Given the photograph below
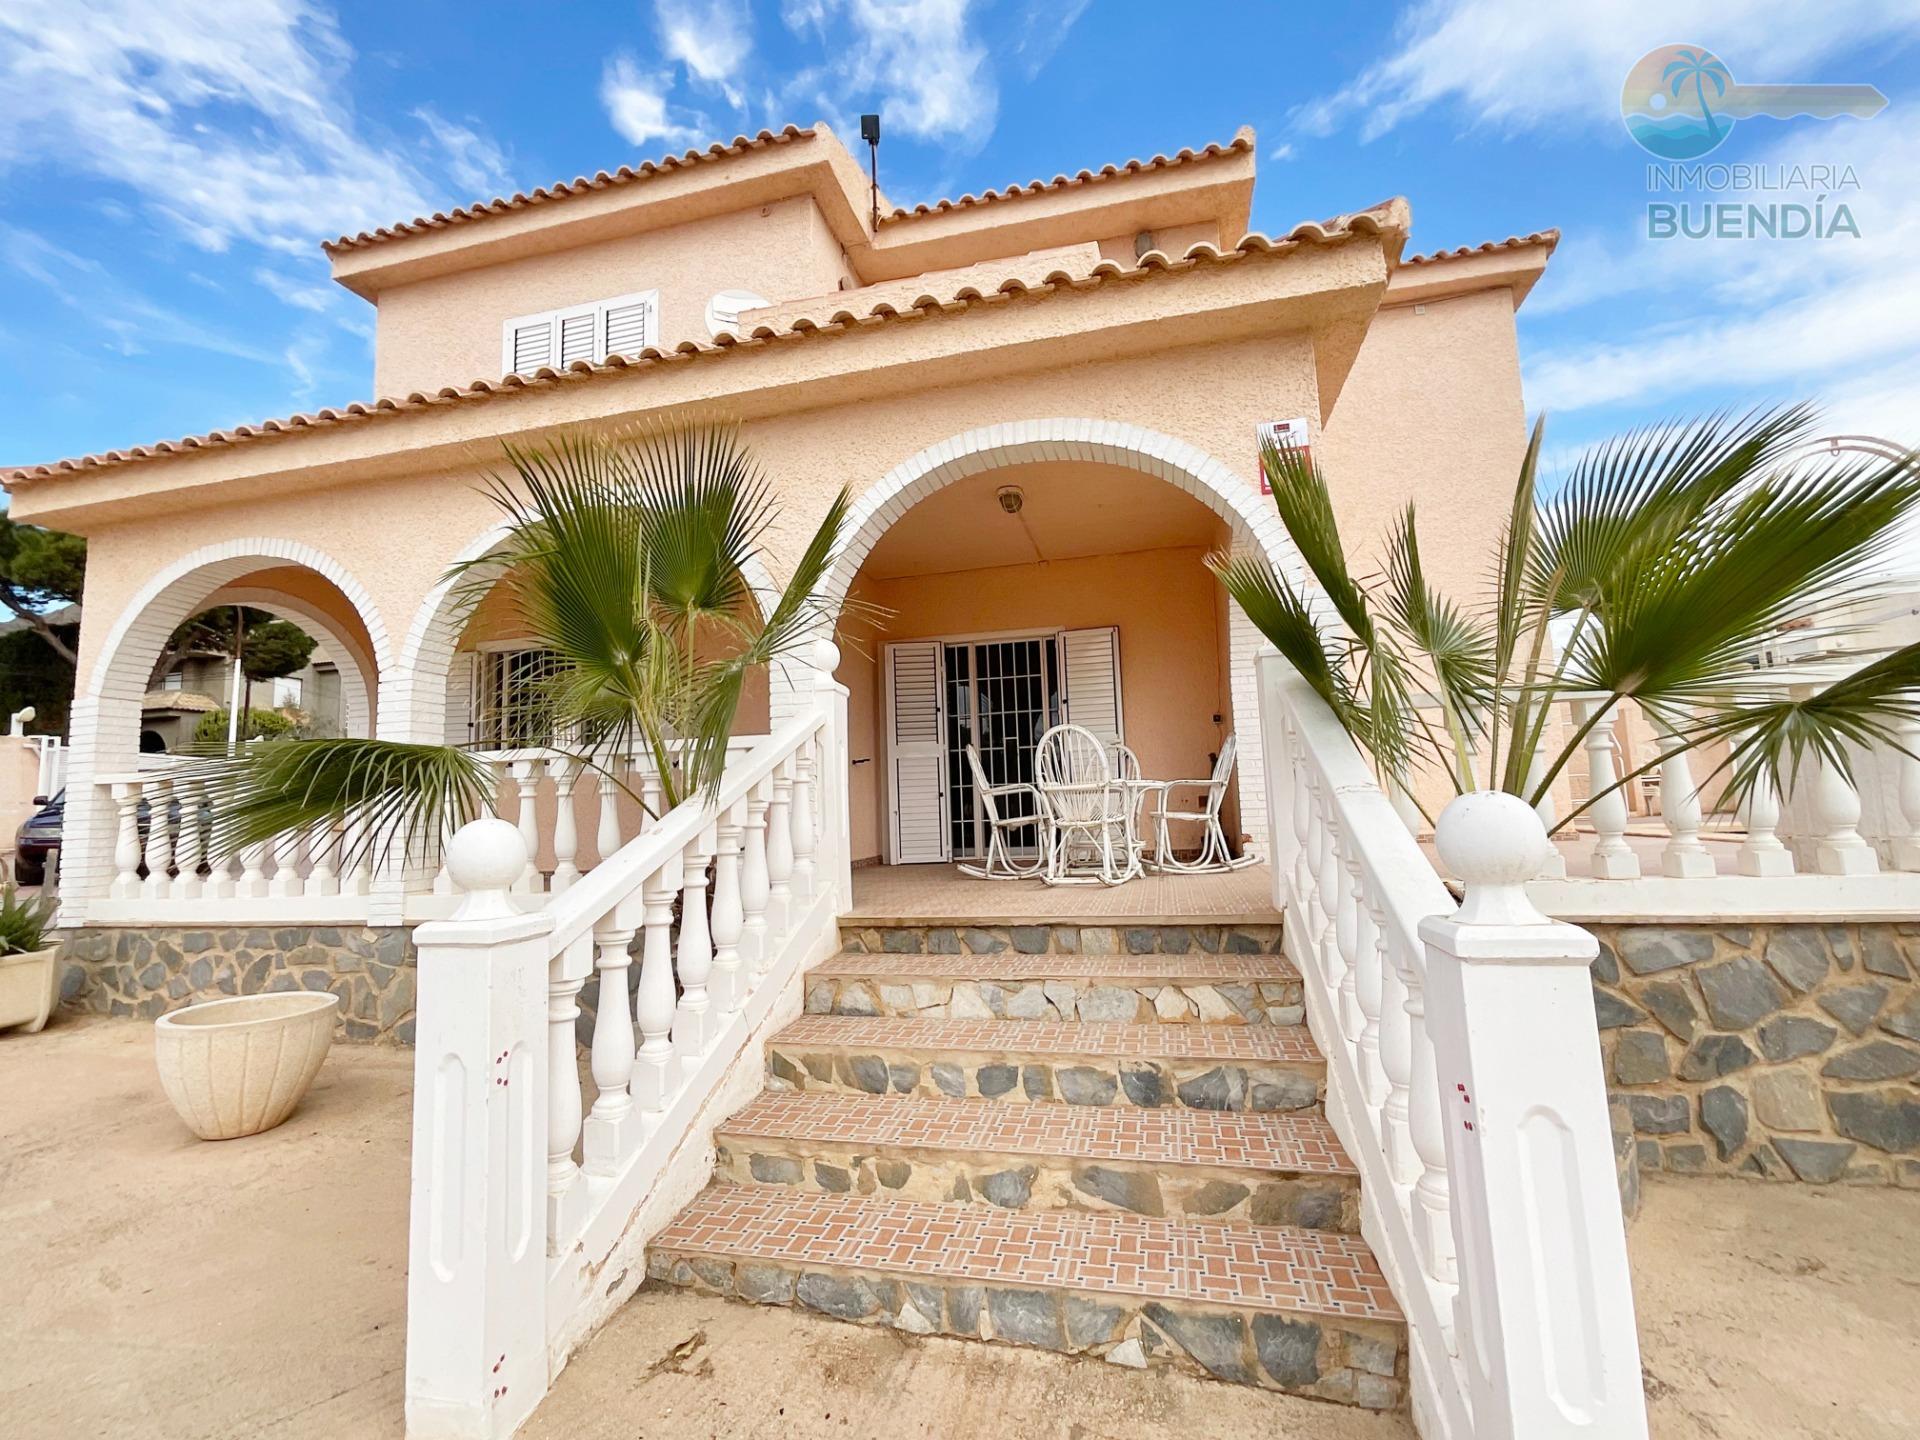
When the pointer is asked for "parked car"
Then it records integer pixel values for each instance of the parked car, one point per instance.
(36, 840)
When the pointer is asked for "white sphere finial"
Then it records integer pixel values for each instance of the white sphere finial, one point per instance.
(1495, 844)
(826, 656)
(485, 857)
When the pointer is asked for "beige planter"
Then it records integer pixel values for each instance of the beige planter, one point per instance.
(29, 984)
(237, 1067)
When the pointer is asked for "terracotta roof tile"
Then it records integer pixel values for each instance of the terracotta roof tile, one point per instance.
(1381, 220)
(1242, 141)
(566, 189)
(1548, 238)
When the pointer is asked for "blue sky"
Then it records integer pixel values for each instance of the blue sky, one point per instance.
(167, 168)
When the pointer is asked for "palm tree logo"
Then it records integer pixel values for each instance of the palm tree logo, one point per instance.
(1699, 67)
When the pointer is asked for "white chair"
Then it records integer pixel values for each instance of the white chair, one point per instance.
(1000, 862)
(1215, 855)
(1089, 811)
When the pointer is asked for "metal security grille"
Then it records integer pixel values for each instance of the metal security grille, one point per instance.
(1001, 696)
(511, 706)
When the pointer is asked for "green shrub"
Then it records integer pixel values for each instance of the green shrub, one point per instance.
(254, 725)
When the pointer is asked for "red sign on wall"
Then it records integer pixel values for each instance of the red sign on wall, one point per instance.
(1286, 435)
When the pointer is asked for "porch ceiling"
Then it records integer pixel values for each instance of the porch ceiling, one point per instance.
(1069, 510)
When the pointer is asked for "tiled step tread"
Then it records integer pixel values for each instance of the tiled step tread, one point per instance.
(1212, 969)
(1293, 1144)
(1284, 1044)
(1261, 1268)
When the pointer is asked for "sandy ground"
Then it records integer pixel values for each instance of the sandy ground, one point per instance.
(161, 1287)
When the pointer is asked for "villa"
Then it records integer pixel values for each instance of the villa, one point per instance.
(1210, 1122)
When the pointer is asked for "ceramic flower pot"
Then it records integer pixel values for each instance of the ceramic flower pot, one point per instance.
(29, 985)
(238, 1067)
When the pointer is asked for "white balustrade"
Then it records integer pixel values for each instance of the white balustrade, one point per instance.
(1761, 852)
(563, 770)
(1613, 858)
(526, 784)
(1839, 848)
(654, 1065)
(159, 853)
(1685, 855)
(1501, 1236)
(190, 845)
(1906, 763)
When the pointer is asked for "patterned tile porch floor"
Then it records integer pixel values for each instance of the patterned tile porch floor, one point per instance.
(1233, 1043)
(1228, 969)
(1303, 1144)
(1307, 1270)
(918, 894)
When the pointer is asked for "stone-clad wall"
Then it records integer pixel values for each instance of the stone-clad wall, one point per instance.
(1779, 1051)
(149, 971)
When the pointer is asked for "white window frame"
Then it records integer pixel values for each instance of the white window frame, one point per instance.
(649, 327)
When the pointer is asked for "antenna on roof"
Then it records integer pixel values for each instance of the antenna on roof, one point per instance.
(870, 132)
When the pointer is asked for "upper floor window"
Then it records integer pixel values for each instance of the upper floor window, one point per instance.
(620, 326)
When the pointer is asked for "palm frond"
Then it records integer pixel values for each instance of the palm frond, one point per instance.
(386, 797)
(1301, 496)
(1280, 613)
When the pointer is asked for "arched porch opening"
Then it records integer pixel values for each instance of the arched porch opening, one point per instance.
(286, 578)
(1108, 539)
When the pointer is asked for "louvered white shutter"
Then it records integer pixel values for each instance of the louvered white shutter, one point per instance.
(1092, 661)
(577, 336)
(529, 345)
(917, 754)
(460, 707)
(630, 327)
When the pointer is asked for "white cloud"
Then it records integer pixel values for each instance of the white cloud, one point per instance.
(918, 62)
(637, 105)
(317, 298)
(713, 40)
(1043, 28)
(1520, 64)
(1283, 151)
(1837, 319)
(230, 121)
(472, 158)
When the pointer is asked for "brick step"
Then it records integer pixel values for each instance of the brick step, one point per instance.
(892, 936)
(1192, 1164)
(1202, 1067)
(1166, 989)
(1303, 1311)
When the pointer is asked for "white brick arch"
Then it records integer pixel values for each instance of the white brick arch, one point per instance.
(105, 728)
(413, 703)
(1254, 523)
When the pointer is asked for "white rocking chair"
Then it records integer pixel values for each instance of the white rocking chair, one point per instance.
(1089, 811)
(1000, 862)
(1215, 855)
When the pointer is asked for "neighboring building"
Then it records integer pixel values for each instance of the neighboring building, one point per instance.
(199, 684)
(1105, 344)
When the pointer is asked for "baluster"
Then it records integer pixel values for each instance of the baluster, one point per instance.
(693, 1027)
(1396, 1060)
(563, 1099)
(126, 843)
(1613, 858)
(1327, 876)
(190, 847)
(1836, 810)
(443, 877)
(756, 889)
(728, 917)
(1432, 1197)
(1368, 983)
(780, 854)
(1315, 907)
(287, 848)
(1302, 828)
(1906, 848)
(1404, 805)
(1347, 938)
(253, 871)
(566, 838)
(322, 877)
(356, 857)
(653, 798)
(1762, 852)
(803, 835)
(159, 839)
(526, 781)
(607, 837)
(221, 882)
(653, 1005)
(611, 1129)
(1685, 855)
(1555, 867)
